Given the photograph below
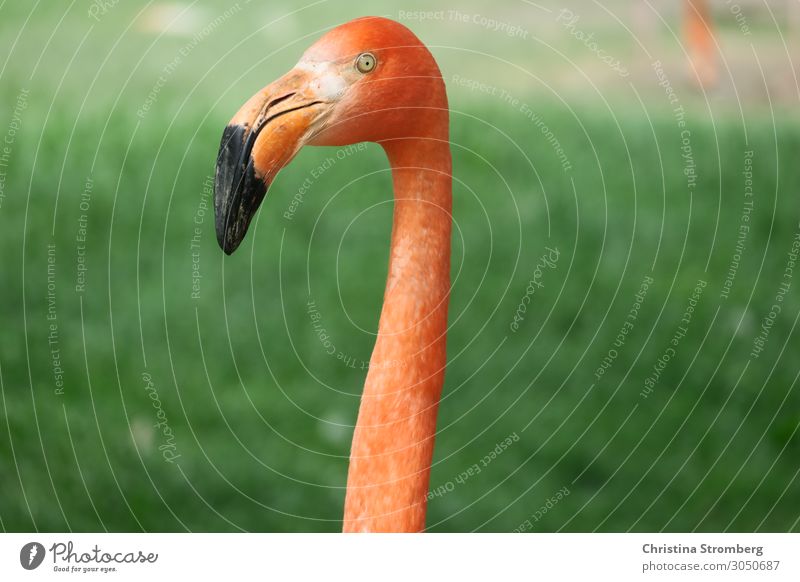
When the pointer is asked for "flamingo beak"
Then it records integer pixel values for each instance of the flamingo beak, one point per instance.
(262, 138)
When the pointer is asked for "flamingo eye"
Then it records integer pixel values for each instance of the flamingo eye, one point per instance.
(365, 62)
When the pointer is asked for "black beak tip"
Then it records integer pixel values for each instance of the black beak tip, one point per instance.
(237, 190)
(228, 245)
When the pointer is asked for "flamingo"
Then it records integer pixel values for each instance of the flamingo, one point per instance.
(368, 80)
(700, 42)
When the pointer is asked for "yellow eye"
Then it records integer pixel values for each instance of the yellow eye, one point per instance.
(365, 62)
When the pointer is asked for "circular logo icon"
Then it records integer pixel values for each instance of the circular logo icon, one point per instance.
(31, 555)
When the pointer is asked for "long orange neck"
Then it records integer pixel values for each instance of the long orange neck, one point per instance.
(393, 441)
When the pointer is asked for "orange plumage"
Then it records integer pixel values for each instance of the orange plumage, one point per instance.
(700, 43)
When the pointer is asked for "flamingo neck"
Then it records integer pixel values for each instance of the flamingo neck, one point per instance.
(392, 449)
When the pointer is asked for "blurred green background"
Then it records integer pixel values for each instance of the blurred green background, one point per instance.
(217, 407)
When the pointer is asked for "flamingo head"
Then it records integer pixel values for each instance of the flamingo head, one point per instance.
(370, 79)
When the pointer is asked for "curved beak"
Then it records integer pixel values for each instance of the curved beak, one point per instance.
(262, 138)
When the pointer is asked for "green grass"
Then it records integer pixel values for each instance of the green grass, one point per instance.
(262, 415)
